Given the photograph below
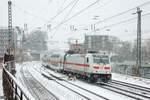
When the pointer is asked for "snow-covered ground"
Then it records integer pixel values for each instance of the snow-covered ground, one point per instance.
(65, 94)
(18, 73)
(55, 88)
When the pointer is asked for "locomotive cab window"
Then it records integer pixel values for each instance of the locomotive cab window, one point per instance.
(101, 59)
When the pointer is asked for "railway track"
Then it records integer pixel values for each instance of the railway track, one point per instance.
(36, 88)
(61, 81)
(116, 89)
(128, 90)
(131, 88)
(105, 86)
(81, 88)
(52, 78)
(145, 89)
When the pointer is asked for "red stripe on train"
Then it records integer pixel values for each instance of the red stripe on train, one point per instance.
(106, 67)
(96, 67)
(70, 63)
(77, 64)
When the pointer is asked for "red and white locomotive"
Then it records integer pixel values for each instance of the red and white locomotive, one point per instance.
(94, 67)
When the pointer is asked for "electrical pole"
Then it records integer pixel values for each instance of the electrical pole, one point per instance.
(11, 45)
(138, 62)
(9, 27)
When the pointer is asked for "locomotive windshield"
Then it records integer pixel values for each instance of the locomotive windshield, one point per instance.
(101, 59)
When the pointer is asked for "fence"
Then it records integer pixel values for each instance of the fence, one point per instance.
(12, 88)
(130, 69)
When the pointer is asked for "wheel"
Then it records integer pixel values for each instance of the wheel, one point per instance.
(91, 80)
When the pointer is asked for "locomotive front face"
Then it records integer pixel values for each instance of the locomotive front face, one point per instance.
(101, 64)
(101, 69)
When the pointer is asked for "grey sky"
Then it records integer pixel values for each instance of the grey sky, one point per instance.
(37, 13)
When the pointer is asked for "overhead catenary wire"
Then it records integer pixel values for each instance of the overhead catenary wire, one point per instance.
(118, 23)
(78, 13)
(97, 2)
(38, 17)
(146, 3)
(61, 11)
(43, 19)
(124, 21)
(27, 12)
(122, 13)
(68, 14)
(55, 16)
(64, 1)
(70, 10)
(121, 22)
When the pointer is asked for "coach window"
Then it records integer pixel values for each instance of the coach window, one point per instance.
(87, 59)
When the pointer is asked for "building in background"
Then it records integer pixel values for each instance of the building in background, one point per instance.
(101, 43)
(4, 37)
(97, 43)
